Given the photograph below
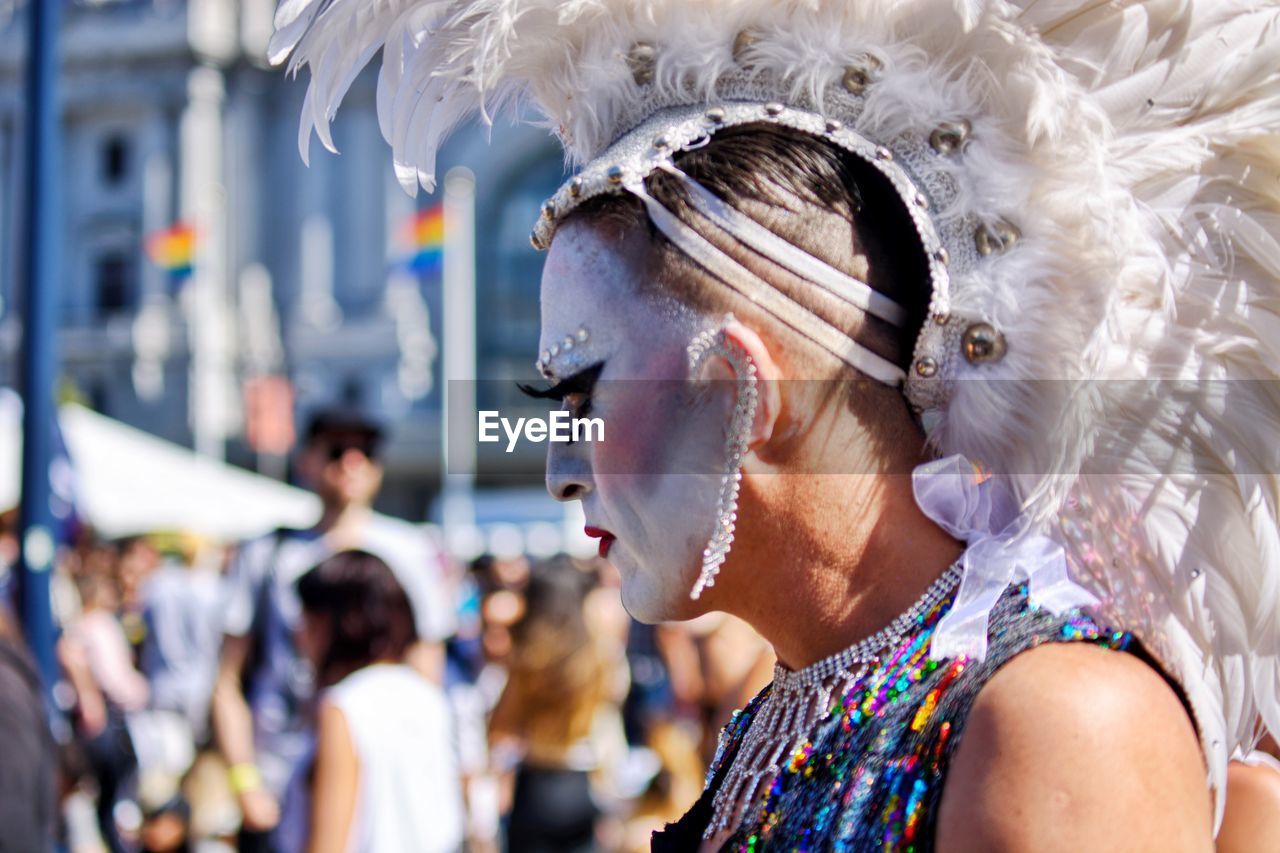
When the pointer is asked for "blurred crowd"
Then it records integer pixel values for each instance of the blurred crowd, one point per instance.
(349, 687)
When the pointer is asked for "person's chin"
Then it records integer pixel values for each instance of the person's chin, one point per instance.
(639, 599)
(651, 604)
(645, 614)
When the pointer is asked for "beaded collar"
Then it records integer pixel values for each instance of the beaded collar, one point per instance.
(798, 699)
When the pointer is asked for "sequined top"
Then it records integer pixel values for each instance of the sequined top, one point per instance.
(871, 774)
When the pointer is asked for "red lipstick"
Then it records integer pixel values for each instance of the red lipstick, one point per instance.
(606, 538)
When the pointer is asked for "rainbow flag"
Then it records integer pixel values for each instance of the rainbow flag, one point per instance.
(173, 249)
(424, 235)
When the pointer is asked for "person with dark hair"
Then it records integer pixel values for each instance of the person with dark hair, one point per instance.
(358, 612)
(262, 684)
(938, 341)
(384, 777)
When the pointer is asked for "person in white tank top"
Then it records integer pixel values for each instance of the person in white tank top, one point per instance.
(385, 775)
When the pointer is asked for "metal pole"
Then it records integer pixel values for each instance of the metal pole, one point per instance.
(459, 354)
(205, 297)
(39, 343)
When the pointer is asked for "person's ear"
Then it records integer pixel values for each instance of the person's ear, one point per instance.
(768, 374)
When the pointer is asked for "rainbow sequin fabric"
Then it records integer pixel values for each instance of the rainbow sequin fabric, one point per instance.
(870, 776)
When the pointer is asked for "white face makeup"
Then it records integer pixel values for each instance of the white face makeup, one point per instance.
(652, 483)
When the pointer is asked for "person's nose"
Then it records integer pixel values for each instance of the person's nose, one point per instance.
(354, 457)
(568, 472)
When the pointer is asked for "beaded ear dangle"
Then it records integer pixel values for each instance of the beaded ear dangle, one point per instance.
(714, 342)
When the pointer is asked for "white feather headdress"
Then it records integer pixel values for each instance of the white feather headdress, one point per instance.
(1102, 183)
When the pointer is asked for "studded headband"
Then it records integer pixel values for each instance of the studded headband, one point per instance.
(652, 146)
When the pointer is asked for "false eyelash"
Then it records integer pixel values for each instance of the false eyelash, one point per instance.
(579, 383)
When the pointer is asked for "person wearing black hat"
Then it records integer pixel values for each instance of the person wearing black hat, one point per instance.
(263, 684)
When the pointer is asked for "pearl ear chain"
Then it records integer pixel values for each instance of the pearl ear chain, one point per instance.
(798, 701)
(713, 342)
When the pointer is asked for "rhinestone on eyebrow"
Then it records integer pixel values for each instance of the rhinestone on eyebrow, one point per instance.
(565, 344)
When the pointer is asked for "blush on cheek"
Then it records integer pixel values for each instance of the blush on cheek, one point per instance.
(637, 432)
(650, 427)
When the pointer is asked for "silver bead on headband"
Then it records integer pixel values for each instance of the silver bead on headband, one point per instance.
(713, 342)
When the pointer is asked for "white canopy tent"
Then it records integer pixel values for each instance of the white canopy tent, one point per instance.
(128, 481)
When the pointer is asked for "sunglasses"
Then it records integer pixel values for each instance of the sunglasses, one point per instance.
(338, 449)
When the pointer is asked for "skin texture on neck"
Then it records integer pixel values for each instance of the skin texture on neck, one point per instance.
(827, 561)
(343, 520)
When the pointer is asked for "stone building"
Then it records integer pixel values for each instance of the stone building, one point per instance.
(171, 115)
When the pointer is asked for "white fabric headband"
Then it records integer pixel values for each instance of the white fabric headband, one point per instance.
(747, 231)
(751, 286)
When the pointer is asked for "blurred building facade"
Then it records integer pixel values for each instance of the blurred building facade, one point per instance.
(171, 115)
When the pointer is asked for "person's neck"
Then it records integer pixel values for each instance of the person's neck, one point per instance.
(839, 564)
(340, 522)
(335, 676)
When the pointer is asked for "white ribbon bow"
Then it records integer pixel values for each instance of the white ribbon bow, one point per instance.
(980, 511)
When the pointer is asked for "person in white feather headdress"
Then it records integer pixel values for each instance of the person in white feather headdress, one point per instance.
(1028, 248)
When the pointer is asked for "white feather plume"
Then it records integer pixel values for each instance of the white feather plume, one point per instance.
(1137, 145)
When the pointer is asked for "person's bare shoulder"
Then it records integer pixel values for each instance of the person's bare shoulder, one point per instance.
(1073, 747)
(1252, 818)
